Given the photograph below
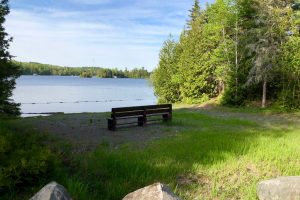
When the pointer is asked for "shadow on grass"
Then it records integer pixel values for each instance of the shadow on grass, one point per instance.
(201, 142)
(211, 153)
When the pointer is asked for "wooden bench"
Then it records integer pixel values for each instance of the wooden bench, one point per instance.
(143, 114)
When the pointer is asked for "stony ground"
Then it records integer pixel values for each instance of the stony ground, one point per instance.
(87, 130)
(208, 152)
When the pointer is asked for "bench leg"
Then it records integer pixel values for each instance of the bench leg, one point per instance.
(167, 117)
(141, 121)
(111, 124)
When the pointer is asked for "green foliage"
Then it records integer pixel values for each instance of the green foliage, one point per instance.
(289, 84)
(8, 72)
(224, 160)
(233, 49)
(194, 14)
(163, 78)
(214, 155)
(78, 189)
(85, 74)
(196, 71)
(32, 68)
(25, 161)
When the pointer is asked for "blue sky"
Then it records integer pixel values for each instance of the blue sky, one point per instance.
(107, 33)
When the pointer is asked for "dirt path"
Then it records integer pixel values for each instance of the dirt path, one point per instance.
(263, 119)
(87, 130)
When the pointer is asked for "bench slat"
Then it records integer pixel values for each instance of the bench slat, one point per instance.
(134, 108)
(140, 113)
(159, 106)
(130, 117)
(155, 111)
(127, 114)
(127, 109)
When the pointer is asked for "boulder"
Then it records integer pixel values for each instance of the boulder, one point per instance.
(52, 191)
(157, 191)
(282, 188)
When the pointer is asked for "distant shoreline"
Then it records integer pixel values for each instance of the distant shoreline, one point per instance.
(82, 77)
(33, 68)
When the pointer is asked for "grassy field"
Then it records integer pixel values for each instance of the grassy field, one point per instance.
(217, 153)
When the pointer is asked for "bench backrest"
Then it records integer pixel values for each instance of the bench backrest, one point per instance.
(140, 110)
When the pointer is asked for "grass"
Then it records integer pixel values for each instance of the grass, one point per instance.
(26, 161)
(211, 157)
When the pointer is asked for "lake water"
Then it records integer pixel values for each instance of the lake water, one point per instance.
(70, 94)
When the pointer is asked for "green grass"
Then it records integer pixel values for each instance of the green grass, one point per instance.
(26, 161)
(209, 158)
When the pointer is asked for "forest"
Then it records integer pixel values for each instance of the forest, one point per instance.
(236, 51)
(31, 68)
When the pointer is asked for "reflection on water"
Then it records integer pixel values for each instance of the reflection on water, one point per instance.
(44, 94)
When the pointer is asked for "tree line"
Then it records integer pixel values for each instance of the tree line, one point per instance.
(8, 72)
(236, 50)
(33, 68)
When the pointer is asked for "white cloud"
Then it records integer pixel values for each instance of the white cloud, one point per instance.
(91, 2)
(126, 36)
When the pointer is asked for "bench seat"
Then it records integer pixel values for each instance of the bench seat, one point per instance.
(141, 113)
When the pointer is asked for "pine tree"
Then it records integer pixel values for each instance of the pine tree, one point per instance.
(194, 14)
(195, 75)
(8, 72)
(272, 23)
(163, 78)
(205, 57)
(288, 70)
(239, 49)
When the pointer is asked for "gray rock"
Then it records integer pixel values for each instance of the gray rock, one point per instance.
(157, 191)
(282, 188)
(52, 191)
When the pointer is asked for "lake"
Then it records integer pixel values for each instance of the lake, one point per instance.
(71, 94)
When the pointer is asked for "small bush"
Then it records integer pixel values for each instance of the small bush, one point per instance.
(25, 162)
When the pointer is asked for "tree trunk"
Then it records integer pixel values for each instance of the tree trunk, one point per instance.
(236, 59)
(263, 103)
(221, 87)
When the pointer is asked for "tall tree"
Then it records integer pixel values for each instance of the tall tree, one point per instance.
(194, 13)
(239, 49)
(221, 18)
(166, 86)
(288, 94)
(296, 7)
(241, 23)
(8, 72)
(196, 72)
(272, 20)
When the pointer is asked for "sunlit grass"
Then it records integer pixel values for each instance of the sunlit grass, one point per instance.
(210, 158)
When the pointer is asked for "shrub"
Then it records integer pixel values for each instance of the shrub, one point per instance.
(25, 161)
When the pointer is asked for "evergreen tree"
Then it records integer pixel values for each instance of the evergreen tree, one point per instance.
(239, 49)
(165, 84)
(194, 13)
(194, 76)
(272, 23)
(288, 70)
(221, 18)
(205, 57)
(296, 7)
(8, 72)
(236, 93)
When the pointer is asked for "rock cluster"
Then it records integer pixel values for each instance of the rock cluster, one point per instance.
(52, 191)
(282, 188)
(157, 191)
